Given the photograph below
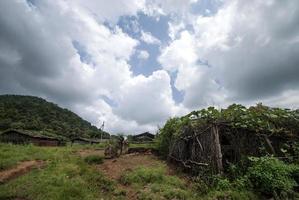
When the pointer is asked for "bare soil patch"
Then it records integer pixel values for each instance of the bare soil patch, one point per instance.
(114, 168)
(21, 169)
(88, 152)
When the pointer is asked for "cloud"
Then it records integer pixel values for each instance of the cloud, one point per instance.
(254, 57)
(240, 54)
(146, 99)
(38, 55)
(194, 78)
(180, 53)
(110, 10)
(147, 37)
(143, 55)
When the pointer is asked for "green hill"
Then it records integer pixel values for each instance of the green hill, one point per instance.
(42, 117)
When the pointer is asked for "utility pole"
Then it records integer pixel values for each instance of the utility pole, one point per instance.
(102, 129)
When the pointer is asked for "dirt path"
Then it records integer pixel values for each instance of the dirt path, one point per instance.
(114, 169)
(20, 169)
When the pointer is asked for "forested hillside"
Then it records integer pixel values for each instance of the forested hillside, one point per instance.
(38, 115)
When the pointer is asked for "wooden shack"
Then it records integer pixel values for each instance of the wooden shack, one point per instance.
(26, 137)
(213, 147)
(82, 141)
(143, 137)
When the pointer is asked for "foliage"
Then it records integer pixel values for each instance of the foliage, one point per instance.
(168, 132)
(271, 176)
(258, 118)
(94, 159)
(45, 118)
(266, 175)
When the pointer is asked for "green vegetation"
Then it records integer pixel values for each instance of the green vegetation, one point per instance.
(94, 159)
(65, 176)
(166, 134)
(154, 183)
(269, 175)
(43, 118)
(265, 176)
(257, 118)
(10, 154)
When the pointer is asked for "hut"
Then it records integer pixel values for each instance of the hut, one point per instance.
(143, 137)
(81, 141)
(214, 146)
(26, 137)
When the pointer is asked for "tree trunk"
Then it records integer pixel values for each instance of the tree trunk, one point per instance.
(217, 150)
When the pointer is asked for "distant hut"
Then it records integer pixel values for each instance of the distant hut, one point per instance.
(143, 137)
(80, 140)
(26, 137)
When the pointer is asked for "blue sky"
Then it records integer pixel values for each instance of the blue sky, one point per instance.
(135, 63)
(157, 27)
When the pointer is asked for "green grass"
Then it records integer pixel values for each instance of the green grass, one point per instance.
(66, 175)
(10, 154)
(154, 183)
(94, 159)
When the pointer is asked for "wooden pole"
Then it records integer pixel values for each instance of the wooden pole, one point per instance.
(217, 146)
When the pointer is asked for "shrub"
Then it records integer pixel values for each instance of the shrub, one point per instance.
(223, 184)
(94, 159)
(271, 176)
(166, 134)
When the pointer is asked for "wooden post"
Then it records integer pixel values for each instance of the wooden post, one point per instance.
(217, 150)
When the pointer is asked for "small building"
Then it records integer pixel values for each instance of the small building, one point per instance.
(143, 137)
(212, 147)
(26, 137)
(86, 141)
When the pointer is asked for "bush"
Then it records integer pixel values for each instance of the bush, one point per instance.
(168, 132)
(271, 176)
(94, 159)
(223, 184)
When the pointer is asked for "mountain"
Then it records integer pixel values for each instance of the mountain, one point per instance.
(43, 117)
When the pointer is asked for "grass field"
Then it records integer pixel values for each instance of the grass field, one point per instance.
(77, 172)
(65, 175)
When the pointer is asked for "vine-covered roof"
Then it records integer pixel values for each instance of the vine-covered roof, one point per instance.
(259, 118)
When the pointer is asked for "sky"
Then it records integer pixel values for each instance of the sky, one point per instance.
(136, 63)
